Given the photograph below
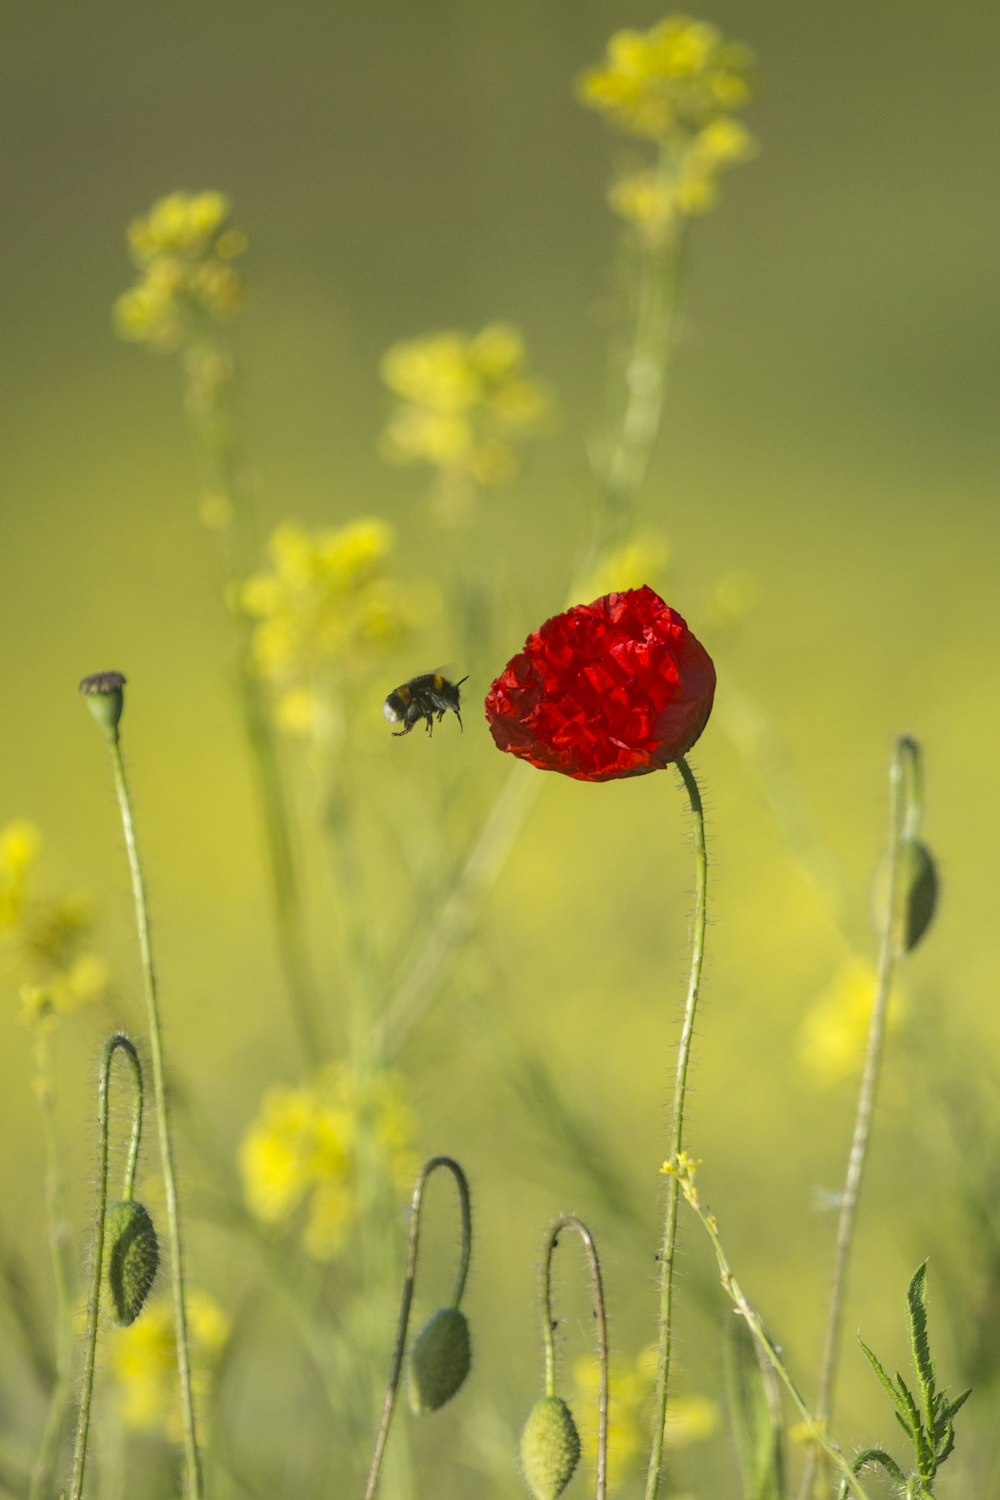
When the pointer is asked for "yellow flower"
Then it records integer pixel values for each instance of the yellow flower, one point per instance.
(834, 1032)
(302, 1152)
(679, 74)
(631, 1388)
(185, 249)
(43, 943)
(325, 602)
(144, 1361)
(465, 401)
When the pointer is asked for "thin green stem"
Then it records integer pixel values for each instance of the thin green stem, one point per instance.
(685, 1183)
(62, 1266)
(406, 1300)
(570, 1221)
(669, 1244)
(904, 799)
(119, 1042)
(191, 1455)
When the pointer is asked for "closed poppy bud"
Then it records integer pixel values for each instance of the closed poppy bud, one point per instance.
(105, 699)
(916, 890)
(615, 688)
(133, 1258)
(439, 1359)
(550, 1448)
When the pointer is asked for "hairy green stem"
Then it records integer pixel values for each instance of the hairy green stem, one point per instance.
(570, 1221)
(406, 1301)
(119, 1042)
(669, 1243)
(905, 795)
(683, 1179)
(191, 1456)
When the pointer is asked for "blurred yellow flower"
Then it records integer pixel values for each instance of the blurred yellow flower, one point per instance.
(43, 943)
(464, 404)
(184, 249)
(680, 73)
(674, 84)
(326, 601)
(641, 560)
(631, 1390)
(144, 1362)
(302, 1152)
(834, 1031)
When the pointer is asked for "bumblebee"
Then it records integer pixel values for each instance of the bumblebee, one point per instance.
(421, 698)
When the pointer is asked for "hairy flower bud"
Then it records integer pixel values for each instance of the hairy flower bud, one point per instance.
(105, 699)
(916, 893)
(439, 1359)
(133, 1258)
(550, 1448)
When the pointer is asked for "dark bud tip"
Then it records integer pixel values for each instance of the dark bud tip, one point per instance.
(104, 692)
(439, 1359)
(133, 1259)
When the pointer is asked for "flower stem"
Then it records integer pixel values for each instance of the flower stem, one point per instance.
(406, 1301)
(191, 1455)
(118, 1041)
(682, 1179)
(905, 795)
(669, 1242)
(570, 1221)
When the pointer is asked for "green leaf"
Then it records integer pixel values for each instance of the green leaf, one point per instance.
(901, 1410)
(920, 1353)
(755, 1415)
(949, 1411)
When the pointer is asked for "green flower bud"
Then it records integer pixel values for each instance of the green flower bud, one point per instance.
(133, 1258)
(439, 1359)
(105, 699)
(550, 1448)
(916, 892)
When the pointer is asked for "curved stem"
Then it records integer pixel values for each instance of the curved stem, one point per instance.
(669, 1242)
(570, 1221)
(406, 1301)
(192, 1458)
(119, 1042)
(905, 798)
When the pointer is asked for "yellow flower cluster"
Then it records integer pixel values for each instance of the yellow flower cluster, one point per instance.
(144, 1361)
(631, 1389)
(186, 252)
(464, 403)
(677, 85)
(302, 1152)
(43, 943)
(325, 601)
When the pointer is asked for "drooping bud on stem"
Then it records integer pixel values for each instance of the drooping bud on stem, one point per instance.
(133, 1258)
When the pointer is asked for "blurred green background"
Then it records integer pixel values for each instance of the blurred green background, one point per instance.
(831, 428)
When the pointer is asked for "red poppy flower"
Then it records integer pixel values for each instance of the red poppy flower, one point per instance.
(614, 688)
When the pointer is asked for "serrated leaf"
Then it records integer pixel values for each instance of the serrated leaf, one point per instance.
(909, 1404)
(959, 1401)
(755, 1415)
(885, 1382)
(920, 1353)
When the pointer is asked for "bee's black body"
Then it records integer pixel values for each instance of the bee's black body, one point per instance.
(422, 698)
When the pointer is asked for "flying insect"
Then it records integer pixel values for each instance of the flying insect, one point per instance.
(421, 698)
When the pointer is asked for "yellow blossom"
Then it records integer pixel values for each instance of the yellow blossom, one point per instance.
(834, 1031)
(185, 250)
(325, 602)
(679, 74)
(631, 1387)
(300, 1157)
(144, 1361)
(43, 942)
(465, 401)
